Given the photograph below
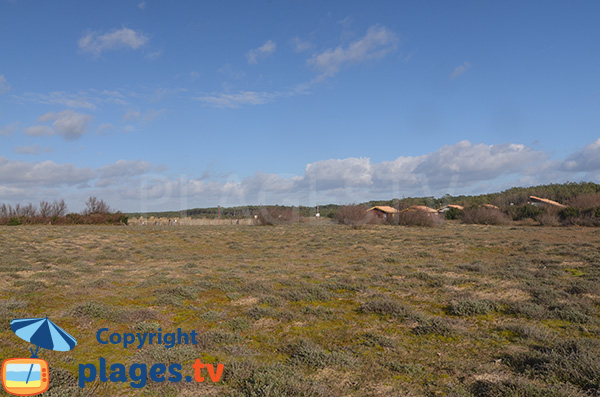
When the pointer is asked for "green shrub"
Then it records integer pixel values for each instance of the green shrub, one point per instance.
(573, 361)
(386, 307)
(453, 213)
(525, 211)
(15, 221)
(372, 339)
(569, 212)
(469, 307)
(433, 325)
(308, 293)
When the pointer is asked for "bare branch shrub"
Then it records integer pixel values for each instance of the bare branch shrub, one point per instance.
(45, 209)
(97, 212)
(28, 211)
(95, 206)
(355, 216)
(59, 208)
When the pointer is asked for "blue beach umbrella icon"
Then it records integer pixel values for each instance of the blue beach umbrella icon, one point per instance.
(43, 333)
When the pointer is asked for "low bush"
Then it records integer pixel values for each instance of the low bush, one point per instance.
(355, 216)
(525, 211)
(585, 201)
(485, 216)
(580, 217)
(469, 307)
(433, 326)
(386, 307)
(418, 218)
(572, 361)
(453, 213)
(548, 218)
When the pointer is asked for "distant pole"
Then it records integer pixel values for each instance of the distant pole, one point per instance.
(219, 212)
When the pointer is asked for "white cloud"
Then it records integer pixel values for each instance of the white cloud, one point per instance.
(43, 174)
(4, 86)
(151, 56)
(162, 93)
(124, 168)
(144, 118)
(586, 160)
(341, 172)
(80, 100)
(68, 124)
(236, 100)
(103, 128)
(461, 165)
(152, 114)
(115, 39)
(38, 130)
(376, 44)
(460, 70)
(228, 71)
(475, 163)
(261, 52)
(33, 149)
(75, 101)
(301, 45)
(131, 115)
(142, 5)
(121, 172)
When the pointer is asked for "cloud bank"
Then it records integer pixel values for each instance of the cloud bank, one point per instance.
(462, 168)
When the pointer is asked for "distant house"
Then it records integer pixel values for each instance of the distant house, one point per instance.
(490, 206)
(447, 208)
(383, 211)
(543, 201)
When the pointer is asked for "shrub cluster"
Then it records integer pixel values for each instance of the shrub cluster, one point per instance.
(581, 216)
(417, 218)
(355, 216)
(55, 213)
(485, 216)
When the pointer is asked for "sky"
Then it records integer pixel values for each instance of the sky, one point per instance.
(154, 105)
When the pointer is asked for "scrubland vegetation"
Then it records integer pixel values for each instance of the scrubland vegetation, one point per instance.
(582, 201)
(318, 308)
(96, 212)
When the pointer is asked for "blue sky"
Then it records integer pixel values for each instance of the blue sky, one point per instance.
(170, 105)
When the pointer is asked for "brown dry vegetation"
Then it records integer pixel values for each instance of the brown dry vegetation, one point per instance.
(318, 309)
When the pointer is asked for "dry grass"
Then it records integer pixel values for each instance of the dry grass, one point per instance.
(319, 309)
